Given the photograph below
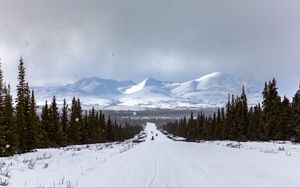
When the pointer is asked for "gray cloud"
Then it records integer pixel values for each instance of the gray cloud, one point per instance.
(176, 40)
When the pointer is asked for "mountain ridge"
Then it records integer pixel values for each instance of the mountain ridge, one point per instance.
(210, 90)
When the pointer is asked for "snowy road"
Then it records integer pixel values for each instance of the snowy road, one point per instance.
(166, 163)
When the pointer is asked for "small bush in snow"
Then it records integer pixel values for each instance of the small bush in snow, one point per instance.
(70, 185)
(46, 165)
(288, 154)
(31, 164)
(44, 157)
(4, 182)
(98, 148)
(280, 142)
(234, 145)
(4, 173)
(281, 148)
(268, 151)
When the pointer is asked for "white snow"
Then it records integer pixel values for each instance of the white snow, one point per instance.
(161, 162)
(207, 91)
(145, 83)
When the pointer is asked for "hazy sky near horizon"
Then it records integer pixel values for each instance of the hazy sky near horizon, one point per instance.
(62, 41)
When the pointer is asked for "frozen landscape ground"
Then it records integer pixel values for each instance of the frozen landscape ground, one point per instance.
(161, 162)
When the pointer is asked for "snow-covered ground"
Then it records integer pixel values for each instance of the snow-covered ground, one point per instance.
(161, 162)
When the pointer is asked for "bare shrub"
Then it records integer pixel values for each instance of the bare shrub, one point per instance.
(31, 164)
(4, 182)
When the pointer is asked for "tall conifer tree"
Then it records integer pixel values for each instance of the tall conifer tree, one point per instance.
(32, 138)
(21, 108)
(3, 128)
(9, 122)
(296, 112)
(56, 134)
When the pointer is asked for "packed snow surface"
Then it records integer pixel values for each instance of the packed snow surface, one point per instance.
(161, 162)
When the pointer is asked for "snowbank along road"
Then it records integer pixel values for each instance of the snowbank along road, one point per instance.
(157, 163)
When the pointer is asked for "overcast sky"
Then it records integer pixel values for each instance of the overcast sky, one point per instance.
(174, 40)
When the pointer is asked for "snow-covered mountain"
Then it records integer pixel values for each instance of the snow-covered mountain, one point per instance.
(86, 87)
(101, 87)
(207, 91)
(213, 89)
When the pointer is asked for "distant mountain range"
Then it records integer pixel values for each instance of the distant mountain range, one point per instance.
(208, 91)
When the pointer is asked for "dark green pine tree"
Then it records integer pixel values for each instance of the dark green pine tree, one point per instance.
(92, 126)
(228, 120)
(285, 129)
(255, 128)
(28, 127)
(244, 119)
(109, 130)
(296, 113)
(218, 128)
(9, 122)
(85, 138)
(102, 126)
(64, 119)
(80, 123)
(55, 134)
(271, 113)
(222, 124)
(233, 129)
(32, 128)
(73, 130)
(190, 127)
(21, 108)
(45, 126)
(3, 128)
(183, 129)
(213, 127)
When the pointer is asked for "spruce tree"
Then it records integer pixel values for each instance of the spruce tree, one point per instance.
(9, 122)
(245, 118)
(3, 128)
(255, 129)
(55, 133)
(85, 137)
(285, 128)
(21, 108)
(271, 113)
(32, 129)
(218, 124)
(228, 120)
(73, 130)
(64, 119)
(80, 124)
(222, 124)
(45, 126)
(296, 113)
(92, 126)
(109, 130)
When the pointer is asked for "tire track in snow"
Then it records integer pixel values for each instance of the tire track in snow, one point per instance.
(154, 175)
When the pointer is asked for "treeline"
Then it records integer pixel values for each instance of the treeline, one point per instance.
(23, 130)
(274, 119)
